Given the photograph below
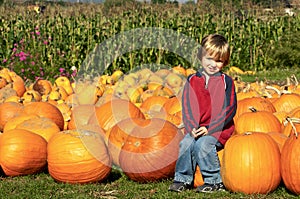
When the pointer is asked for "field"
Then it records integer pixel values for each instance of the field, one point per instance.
(65, 35)
(117, 186)
(86, 55)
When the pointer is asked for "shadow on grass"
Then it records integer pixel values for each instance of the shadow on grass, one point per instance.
(115, 174)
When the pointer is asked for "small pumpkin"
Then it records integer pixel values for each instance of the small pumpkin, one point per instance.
(42, 86)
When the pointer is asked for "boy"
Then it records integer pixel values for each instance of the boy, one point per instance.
(208, 107)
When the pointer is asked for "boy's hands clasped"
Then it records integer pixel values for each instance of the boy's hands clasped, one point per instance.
(201, 131)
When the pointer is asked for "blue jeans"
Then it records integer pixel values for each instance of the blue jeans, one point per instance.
(202, 152)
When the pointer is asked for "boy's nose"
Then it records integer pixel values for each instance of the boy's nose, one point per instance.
(213, 63)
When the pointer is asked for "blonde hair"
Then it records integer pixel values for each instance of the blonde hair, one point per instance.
(216, 46)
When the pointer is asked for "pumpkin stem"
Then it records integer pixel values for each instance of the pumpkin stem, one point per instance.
(252, 109)
(295, 79)
(292, 120)
(274, 89)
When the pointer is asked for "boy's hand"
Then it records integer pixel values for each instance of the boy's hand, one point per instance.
(201, 131)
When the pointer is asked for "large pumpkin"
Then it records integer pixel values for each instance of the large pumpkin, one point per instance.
(290, 167)
(257, 121)
(150, 151)
(279, 138)
(12, 123)
(251, 164)
(42, 126)
(110, 113)
(78, 156)
(22, 152)
(80, 115)
(118, 134)
(8, 110)
(47, 110)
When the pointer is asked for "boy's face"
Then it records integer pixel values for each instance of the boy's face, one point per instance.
(211, 65)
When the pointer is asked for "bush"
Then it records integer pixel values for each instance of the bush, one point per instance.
(286, 52)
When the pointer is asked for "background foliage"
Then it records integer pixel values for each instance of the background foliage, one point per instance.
(48, 45)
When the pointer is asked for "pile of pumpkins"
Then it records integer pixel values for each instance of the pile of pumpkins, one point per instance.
(79, 130)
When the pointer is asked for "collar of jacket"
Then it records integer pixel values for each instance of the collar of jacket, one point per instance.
(200, 72)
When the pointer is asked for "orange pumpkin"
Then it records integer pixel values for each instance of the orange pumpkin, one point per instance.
(290, 167)
(12, 124)
(179, 70)
(3, 82)
(150, 151)
(290, 125)
(22, 152)
(110, 113)
(44, 109)
(172, 106)
(116, 136)
(18, 83)
(257, 121)
(259, 103)
(80, 115)
(251, 164)
(42, 126)
(8, 110)
(287, 102)
(153, 103)
(78, 156)
(279, 138)
(42, 86)
(6, 93)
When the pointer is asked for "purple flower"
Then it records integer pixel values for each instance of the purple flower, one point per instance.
(45, 42)
(15, 45)
(22, 70)
(61, 70)
(37, 33)
(4, 61)
(14, 49)
(22, 58)
(33, 63)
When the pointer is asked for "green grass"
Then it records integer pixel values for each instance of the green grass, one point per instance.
(276, 75)
(116, 186)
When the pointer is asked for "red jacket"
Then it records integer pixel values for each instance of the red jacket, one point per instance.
(212, 104)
